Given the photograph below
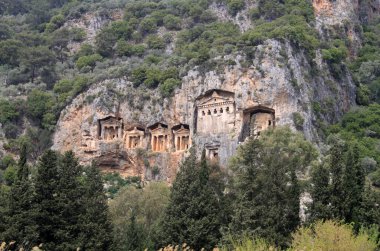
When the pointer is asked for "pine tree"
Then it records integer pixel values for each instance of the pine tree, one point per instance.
(194, 212)
(46, 200)
(337, 163)
(95, 224)
(368, 213)
(320, 193)
(20, 225)
(266, 185)
(134, 239)
(353, 184)
(69, 202)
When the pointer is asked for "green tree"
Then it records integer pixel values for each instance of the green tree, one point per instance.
(266, 187)
(169, 86)
(337, 163)
(46, 200)
(88, 61)
(10, 52)
(20, 222)
(320, 192)
(135, 214)
(104, 41)
(234, 6)
(194, 213)
(353, 183)
(36, 58)
(69, 202)
(38, 103)
(172, 22)
(96, 230)
(8, 111)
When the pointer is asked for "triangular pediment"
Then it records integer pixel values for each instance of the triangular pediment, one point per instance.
(214, 99)
(159, 130)
(182, 131)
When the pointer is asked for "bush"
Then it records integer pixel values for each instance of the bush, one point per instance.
(68, 88)
(85, 50)
(330, 235)
(234, 6)
(104, 41)
(148, 25)
(10, 175)
(336, 53)
(168, 86)
(121, 29)
(155, 42)
(247, 244)
(8, 111)
(363, 95)
(11, 130)
(288, 27)
(298, 120)
(172, 22)
(38, 103)
(138, 76)
(89, 61)
(7, 161)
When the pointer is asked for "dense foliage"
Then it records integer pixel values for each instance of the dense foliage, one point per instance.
(267, 189)
(46, 61)
(61, 206)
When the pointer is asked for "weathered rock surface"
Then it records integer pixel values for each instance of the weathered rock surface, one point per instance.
(278, 79)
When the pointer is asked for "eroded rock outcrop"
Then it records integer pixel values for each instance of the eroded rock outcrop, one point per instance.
(134, 131)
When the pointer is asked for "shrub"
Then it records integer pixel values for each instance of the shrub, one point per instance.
(104, 41)
(121, 29)
(330, 235)
(68, 88)
(6, 161)
(85, 50)
(38, 103)
(363, 95)
(89, 61)
(172, 22)
(247, 244)
(298, 120)
(155, 42)
(153, 78)
(336, 53)
(8, 111)
(168, 86)
(234, 6)
(138, 76)
(10, 52)
(288, 27)
(10, 175)
(11, 130)
(148, 25)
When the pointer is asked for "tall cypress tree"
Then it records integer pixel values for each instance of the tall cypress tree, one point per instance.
(46, 200)
(95, 224)
(266, 185)
(320, 193)
(69, 202)
(20, 225)
(194, 212)
(337, 163)
(353, 183)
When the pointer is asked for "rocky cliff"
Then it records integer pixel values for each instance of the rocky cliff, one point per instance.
(138, 133)
(278, 79)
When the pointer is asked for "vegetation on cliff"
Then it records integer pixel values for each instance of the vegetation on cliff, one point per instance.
(63, 206)
(46, 61)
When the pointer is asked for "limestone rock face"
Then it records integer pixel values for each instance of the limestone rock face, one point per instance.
(136, 132)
